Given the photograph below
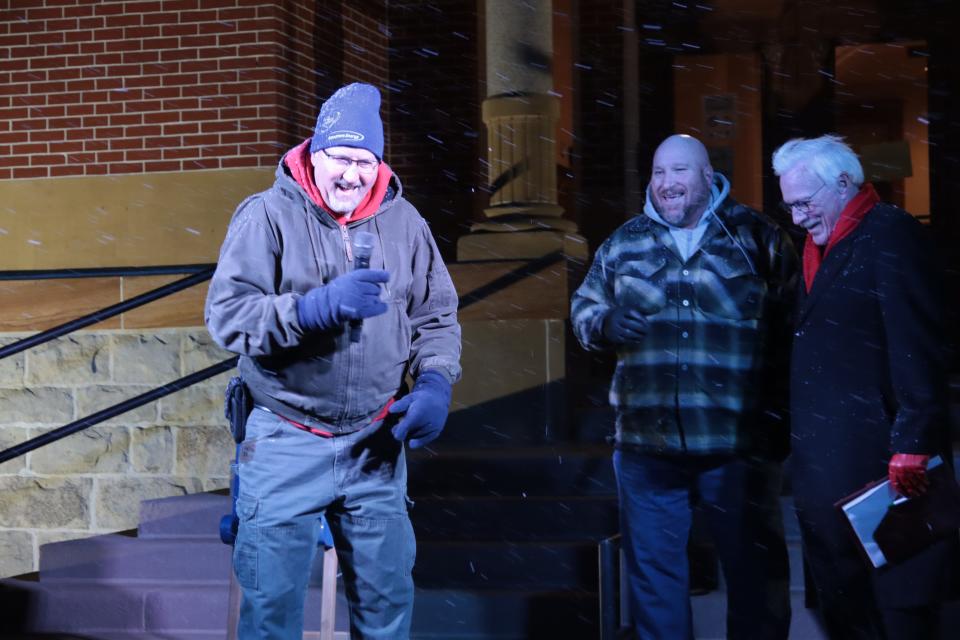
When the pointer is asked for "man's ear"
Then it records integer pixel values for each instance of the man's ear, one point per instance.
(844, 183)
(708, 174)
(316, 158)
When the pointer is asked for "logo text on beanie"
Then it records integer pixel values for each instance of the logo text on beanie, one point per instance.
(352, 136)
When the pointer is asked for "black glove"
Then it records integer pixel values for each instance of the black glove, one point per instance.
(353, 296)
(623, 325)
(426, 410)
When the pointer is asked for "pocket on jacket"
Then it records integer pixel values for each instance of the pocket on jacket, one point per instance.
(730, 289)
(639, 284)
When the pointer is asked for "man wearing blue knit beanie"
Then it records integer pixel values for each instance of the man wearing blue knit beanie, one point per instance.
(332, 290)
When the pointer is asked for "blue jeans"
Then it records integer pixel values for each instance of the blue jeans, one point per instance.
(288, 479)
(740, 502)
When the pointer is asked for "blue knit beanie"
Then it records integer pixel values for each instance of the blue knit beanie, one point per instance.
(350, 118)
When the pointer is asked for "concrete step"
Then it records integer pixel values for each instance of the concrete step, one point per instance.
(546, 520)
(122, 609)
(506, 565)
(194, 515)
(111, 558)
(578, 470)
(451, 614)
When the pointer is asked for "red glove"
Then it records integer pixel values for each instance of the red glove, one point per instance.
(908, 473)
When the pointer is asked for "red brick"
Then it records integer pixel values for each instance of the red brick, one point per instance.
(154, 6)
(47, 160)
(218, 77)
(28, 149)
(139, 155)
(69, 147)
(49, 13)
(239, 138)
(8, 160)
(200, 140)
(126, 119)
(200, 66)
(174, 6)
(123, 20)
(110, 108)
(14, 137)
(198, 16)
(79, 134)
(179, 30)
(76, 36)
(229, 39)
(92, 47)
(162, 92)
(67, 74)
(30, 172)
(210, 163)
(107, 132)
(117, 144)
(81, 158)
(110, 156)
(91, 23)
(218, 151)
(80, 109)
(161, 142)
(79, 11)
(126, 167)
(181, 128)
(138, 57)
(173, 55)
(95, 169)
(150, 37)
(123, 46)
(143, 131)
(173, 165)
(160, 19)
(179, 153)
(54, 135)
(219, 126)
(124, 95)
(159, 69)
(180, 79)
(160, 117)
(66, 171)
(143, 105)
(6, 174)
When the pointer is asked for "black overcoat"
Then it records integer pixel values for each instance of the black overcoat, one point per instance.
(868, 379)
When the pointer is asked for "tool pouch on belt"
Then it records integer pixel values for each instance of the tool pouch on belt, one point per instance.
(237, 405)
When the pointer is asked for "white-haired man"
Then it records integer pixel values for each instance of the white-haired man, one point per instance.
(868, 384)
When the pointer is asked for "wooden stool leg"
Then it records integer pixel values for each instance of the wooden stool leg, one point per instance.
(233, 607)
(328, 594)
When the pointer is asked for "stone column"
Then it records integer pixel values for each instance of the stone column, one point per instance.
(521, 113)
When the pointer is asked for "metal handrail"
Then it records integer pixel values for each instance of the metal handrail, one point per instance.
(105, 313)
(200, 273)
(117, 409)
(104, 272)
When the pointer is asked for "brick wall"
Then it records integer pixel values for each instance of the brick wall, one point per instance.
(109, 87)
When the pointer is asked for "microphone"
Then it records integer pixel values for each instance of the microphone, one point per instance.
(362, 250)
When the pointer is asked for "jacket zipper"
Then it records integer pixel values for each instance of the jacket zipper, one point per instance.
(346, 241)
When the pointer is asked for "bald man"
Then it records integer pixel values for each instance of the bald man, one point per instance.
(694, 296)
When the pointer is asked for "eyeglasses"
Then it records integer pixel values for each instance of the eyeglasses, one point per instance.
(801, 206)
(343, 163)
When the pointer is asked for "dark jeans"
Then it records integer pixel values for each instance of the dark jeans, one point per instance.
(740, 503)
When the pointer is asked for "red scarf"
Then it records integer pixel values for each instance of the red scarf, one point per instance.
(301, 168)
(852, 214)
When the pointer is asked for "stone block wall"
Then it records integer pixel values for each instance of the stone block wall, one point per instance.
(92, 482)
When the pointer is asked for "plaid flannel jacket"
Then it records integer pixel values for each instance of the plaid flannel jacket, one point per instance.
(710, 376)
